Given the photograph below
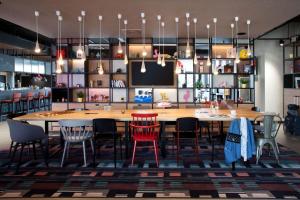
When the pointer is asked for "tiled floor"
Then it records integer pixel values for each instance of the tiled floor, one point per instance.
(285, 139)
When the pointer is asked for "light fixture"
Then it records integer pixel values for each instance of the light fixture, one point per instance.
(281, 43)
(195, 33)
(144, 53)
(248, 49)
(215, 41)
(208, 62)
(232, 38)
(79, 52)
(37, 48)
(120, 50)
(83, 35)
(237, 56)
(158, 55)
(125, 56)
(100, 67)
(188, 49)
(163, 62)
(59, 61)
(178, 68)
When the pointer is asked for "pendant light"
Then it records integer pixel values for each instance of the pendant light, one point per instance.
(178, 68)
(59, 62)
(79, 52)
(237, 56)
(144, 52)
(125, 56)
(195, 35)
(232, 37)
(188, 49)
(100, 67)
(143, 67)
(158, 55)
(248, 49)
(120, 50)
(208, 62)
(37, 48)
(83, 35)
(215, 25)
(163, 62)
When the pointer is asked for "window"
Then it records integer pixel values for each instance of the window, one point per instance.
(35, 66)
(27, 65)
(41, 68)
(19, 65)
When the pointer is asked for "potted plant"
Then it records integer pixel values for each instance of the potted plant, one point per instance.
(199, 84)
(80, 96)
(244, 82)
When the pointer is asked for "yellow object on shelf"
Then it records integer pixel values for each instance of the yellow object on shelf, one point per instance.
(244, 54)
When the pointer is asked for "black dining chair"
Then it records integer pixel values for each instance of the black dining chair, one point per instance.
(106, 129)
(187, 128)
(24, 134)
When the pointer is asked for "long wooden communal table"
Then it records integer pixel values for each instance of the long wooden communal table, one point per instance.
(164, 115)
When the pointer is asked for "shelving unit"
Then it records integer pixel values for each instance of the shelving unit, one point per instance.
(196, 84)
(291, 63)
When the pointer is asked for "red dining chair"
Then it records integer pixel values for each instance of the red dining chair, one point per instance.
(145, 128)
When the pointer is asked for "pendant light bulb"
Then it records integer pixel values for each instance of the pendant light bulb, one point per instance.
(79, 52)
(125, 59)
(143, 67)
(159, 59)
(248, 49)
(178, 68)
(208, 63)
(100, 68)
(195, 59)
(120, 50)
(125, 56)
(163, 62)
(237, 59)
(60, 60)
(37, 48)
(144, 53)
(58, 69)
(188, 49)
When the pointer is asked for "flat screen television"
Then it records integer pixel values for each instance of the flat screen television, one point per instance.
(155, 74)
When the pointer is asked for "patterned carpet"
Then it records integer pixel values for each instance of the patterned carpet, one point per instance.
(191, 177)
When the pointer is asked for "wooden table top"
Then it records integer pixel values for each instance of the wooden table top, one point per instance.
(204, 114)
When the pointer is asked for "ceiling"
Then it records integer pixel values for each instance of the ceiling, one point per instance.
(264, 15)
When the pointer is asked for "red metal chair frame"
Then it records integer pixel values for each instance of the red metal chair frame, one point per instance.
(145, 128)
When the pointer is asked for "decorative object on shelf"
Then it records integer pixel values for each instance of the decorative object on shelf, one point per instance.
(120, 50)
(164, 96)
(60, 61)
(143, 95)
(237, 59)
(80, 96)
(163, 62)
(119, 70)
(195, 35)
(99, 83)
(187, 96)
(208, 62)
(215, 72)
(228, 68)
(118, 83)
(125, 38)
(244, 82)
(144, 53)
(158, 55)
(199, 84)
(37, 48)
(78, 85)
(99, 68)
(188, 48)
(178, 67)
(244, 53)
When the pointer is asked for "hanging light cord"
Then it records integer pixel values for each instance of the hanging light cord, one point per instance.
(83, 32)
(159, 36)
(37, 27)
(79, 19)
(215, 38)
(237, 37)
(125, 35)
(195, 34)
(58, 34)
(163, 38)
(100, 37)
(177, 40)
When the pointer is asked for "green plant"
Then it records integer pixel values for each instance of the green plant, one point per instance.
(80, 94)
(199, 84)
(244, 81)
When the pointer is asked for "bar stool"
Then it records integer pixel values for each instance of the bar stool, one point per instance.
(28, 102)
(13, 103)
(47, 100)
(40, 100)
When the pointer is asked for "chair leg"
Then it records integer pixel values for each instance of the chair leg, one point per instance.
(64, 154)
(115, 150)
(133, 153)
(84, 154)
(197, 148)
(275, 150)
(92, 145)
(209, 136)
(121, 152)
(178, 149)
(155, 151)
(212, 150)
(44, 150)
(20, 158)
(14, 152)
(11, 146)
(34, 152)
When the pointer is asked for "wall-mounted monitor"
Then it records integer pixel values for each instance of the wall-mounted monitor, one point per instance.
(155, 74)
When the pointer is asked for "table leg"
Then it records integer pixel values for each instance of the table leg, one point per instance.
(47, 144)
(127, 139)
(162, 139)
